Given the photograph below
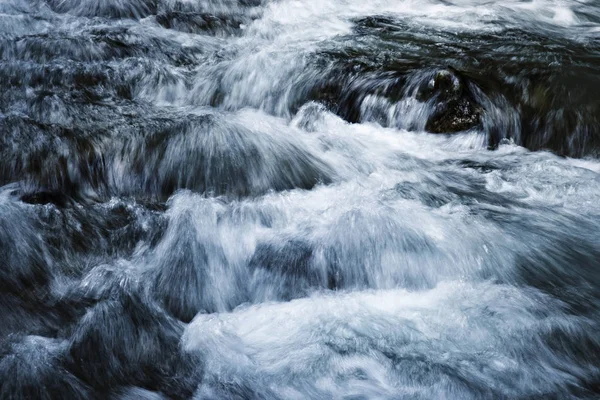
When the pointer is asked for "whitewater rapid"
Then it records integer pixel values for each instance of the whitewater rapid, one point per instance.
(316, 199)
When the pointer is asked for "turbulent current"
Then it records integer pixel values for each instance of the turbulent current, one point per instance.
(299, 199)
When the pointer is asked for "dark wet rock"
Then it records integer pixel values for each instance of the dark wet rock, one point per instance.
(199, 22)
(46, 197)
(134, 9)
(209, 18)
(30, 315)
(26, 269)
(535, 90)
(291, 263)
(100, 284)
(220, 158)
(126, 341)
(141, 157)
(291, 257)
(99, 230)
(454, 108)
(184, 269)
(447, 84)
(456, 115)
(559, 117)
(449, 100)
(41, 245)
(181, 276)
(31, 367)
(443, 85)
(92, 44)
(50, 157)
(297, 267)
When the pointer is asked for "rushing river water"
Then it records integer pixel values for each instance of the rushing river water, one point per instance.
(299, 199)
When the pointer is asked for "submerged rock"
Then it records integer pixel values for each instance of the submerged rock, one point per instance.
(126, 9)
(30, 368)
(124, 341)
(199, 22)
(46, 197)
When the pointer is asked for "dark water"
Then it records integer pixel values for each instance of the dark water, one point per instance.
(316, 199)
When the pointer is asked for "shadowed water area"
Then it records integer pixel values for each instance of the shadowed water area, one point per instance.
(315, 199)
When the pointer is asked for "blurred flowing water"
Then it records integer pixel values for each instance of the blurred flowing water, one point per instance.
(316, 199)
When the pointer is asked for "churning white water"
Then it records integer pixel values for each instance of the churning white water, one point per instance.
(307, 199)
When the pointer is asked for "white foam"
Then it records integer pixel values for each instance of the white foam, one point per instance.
(378, 343)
